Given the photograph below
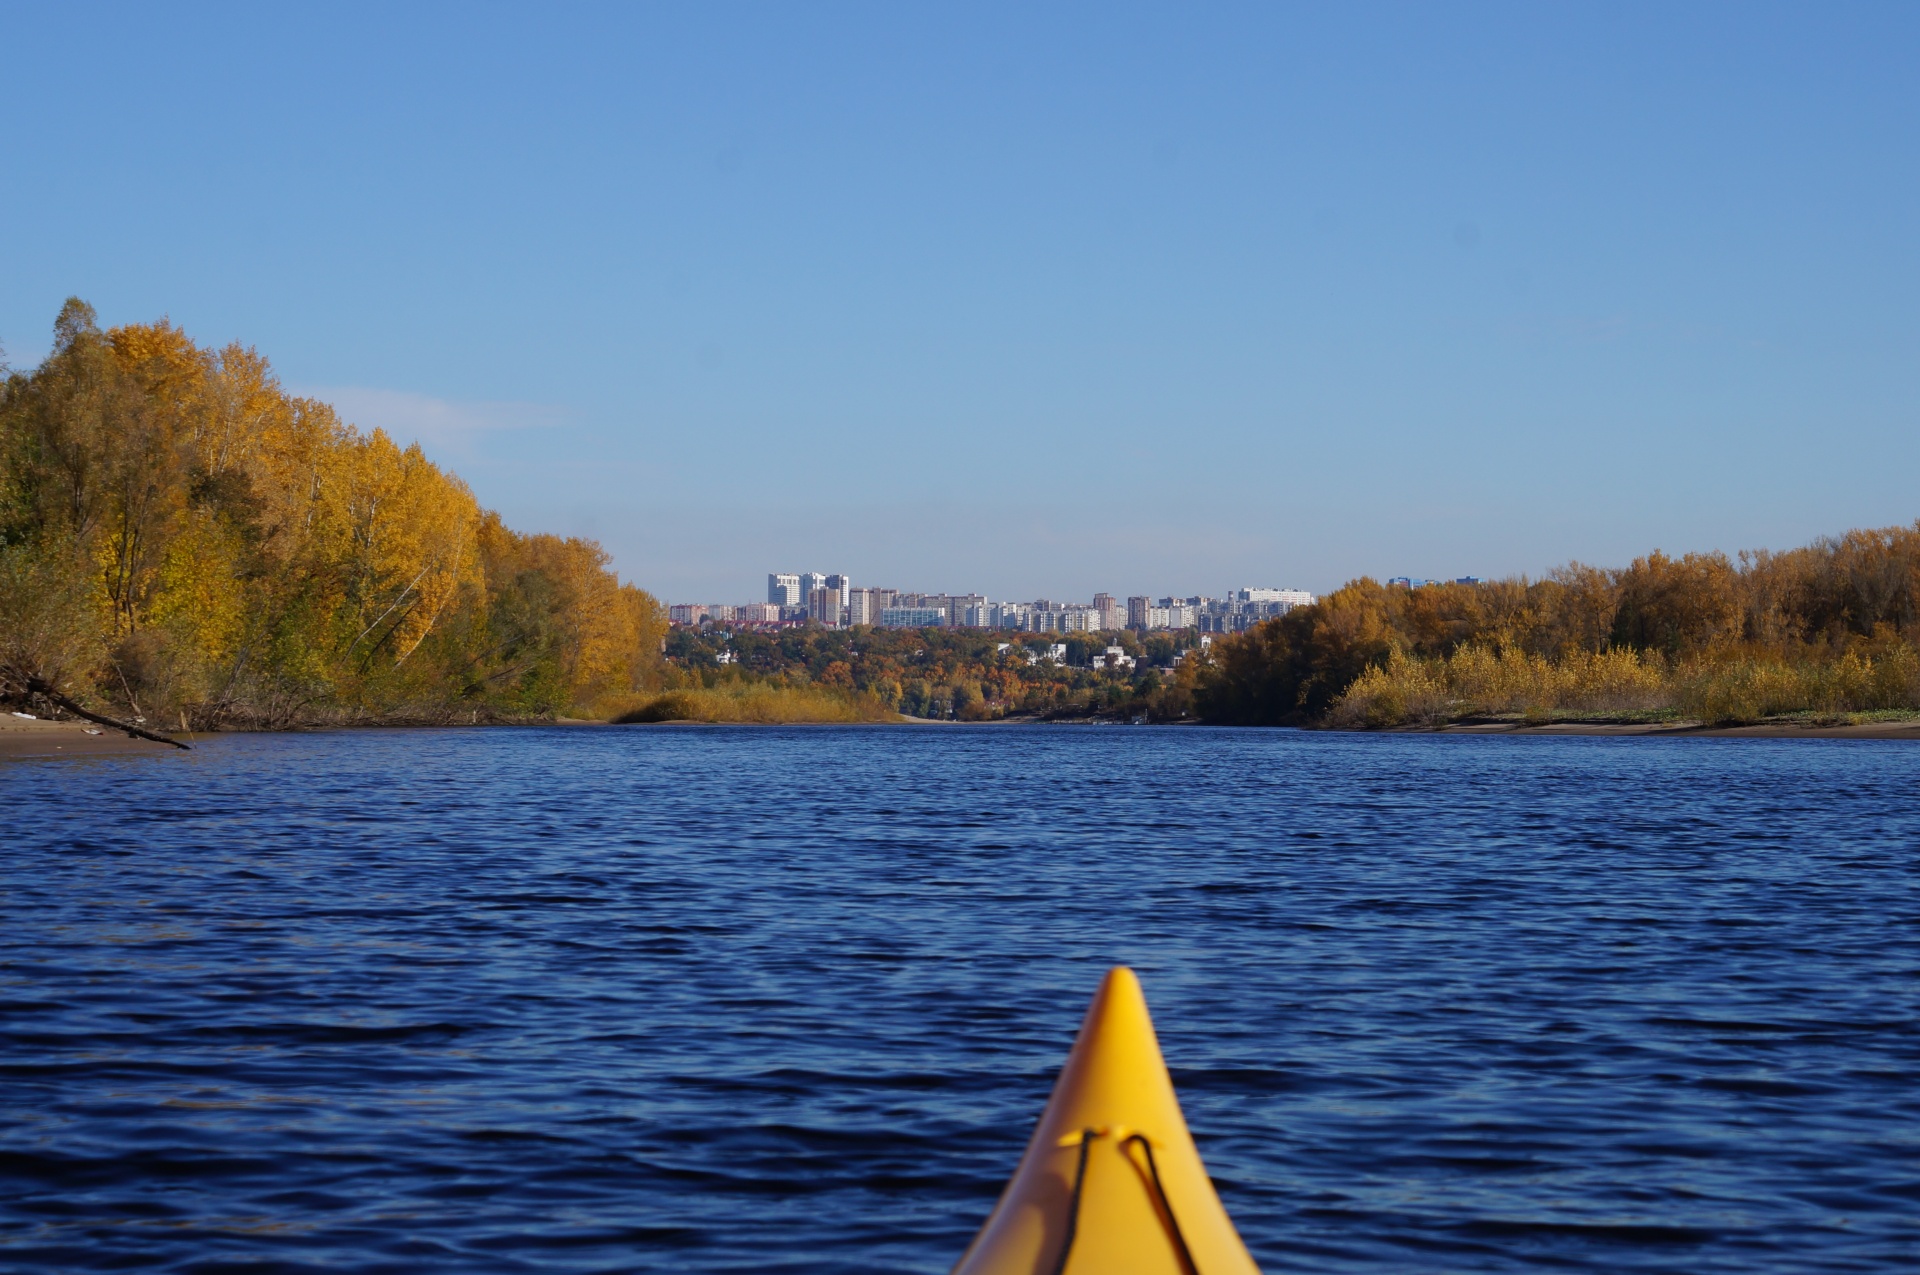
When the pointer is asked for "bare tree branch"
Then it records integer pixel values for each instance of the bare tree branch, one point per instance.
(39, 687)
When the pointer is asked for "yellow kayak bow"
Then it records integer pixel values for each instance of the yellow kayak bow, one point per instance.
(1111, 1183)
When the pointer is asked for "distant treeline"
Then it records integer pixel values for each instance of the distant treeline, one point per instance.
(954, 674)
(182, 540)
(1828, 629)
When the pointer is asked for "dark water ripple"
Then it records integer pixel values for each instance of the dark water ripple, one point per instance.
(789, 1000)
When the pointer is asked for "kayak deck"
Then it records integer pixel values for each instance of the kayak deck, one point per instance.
(1111, 1182)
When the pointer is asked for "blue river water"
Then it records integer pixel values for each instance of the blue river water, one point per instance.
(770, 1000)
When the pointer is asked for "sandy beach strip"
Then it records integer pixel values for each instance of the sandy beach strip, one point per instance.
(1760, 730)
(23, 738)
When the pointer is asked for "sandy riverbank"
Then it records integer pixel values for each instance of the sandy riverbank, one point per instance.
(25, 737)
(1761, 730)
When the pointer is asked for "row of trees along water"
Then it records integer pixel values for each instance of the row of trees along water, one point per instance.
(1830, 629)
(949, 674)
(182, 540)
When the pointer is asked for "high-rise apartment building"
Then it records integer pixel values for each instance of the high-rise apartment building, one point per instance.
(809, 581)
(1137, 612)
(823, 604)
(783, 589)
(956, 605)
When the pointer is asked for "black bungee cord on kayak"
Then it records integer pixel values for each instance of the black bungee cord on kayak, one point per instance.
(1166, 1205)
(1073, 1205)
(1159, 1189)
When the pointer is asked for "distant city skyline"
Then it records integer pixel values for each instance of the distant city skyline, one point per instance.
(801, 586)
(833, 600)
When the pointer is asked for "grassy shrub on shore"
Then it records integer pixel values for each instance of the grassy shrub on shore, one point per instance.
(1476, 681)
(758, 702)
(1726, 688)
(1751, 688)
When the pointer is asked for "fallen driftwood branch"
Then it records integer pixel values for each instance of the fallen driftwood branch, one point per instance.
(40, 688)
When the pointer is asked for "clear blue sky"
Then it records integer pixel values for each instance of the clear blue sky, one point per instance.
(1035, 300)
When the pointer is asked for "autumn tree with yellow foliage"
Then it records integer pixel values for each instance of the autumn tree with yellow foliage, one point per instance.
(180, 539)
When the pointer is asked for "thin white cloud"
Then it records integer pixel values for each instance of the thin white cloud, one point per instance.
(433, 422)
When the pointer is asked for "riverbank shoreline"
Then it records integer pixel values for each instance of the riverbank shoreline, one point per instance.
(31, 738)
(1909, 730)
(38, 737)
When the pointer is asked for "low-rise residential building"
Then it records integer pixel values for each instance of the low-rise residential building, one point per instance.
(913, 617)
(1289, 598)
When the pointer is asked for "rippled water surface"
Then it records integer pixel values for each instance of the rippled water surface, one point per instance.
(789, 1000)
